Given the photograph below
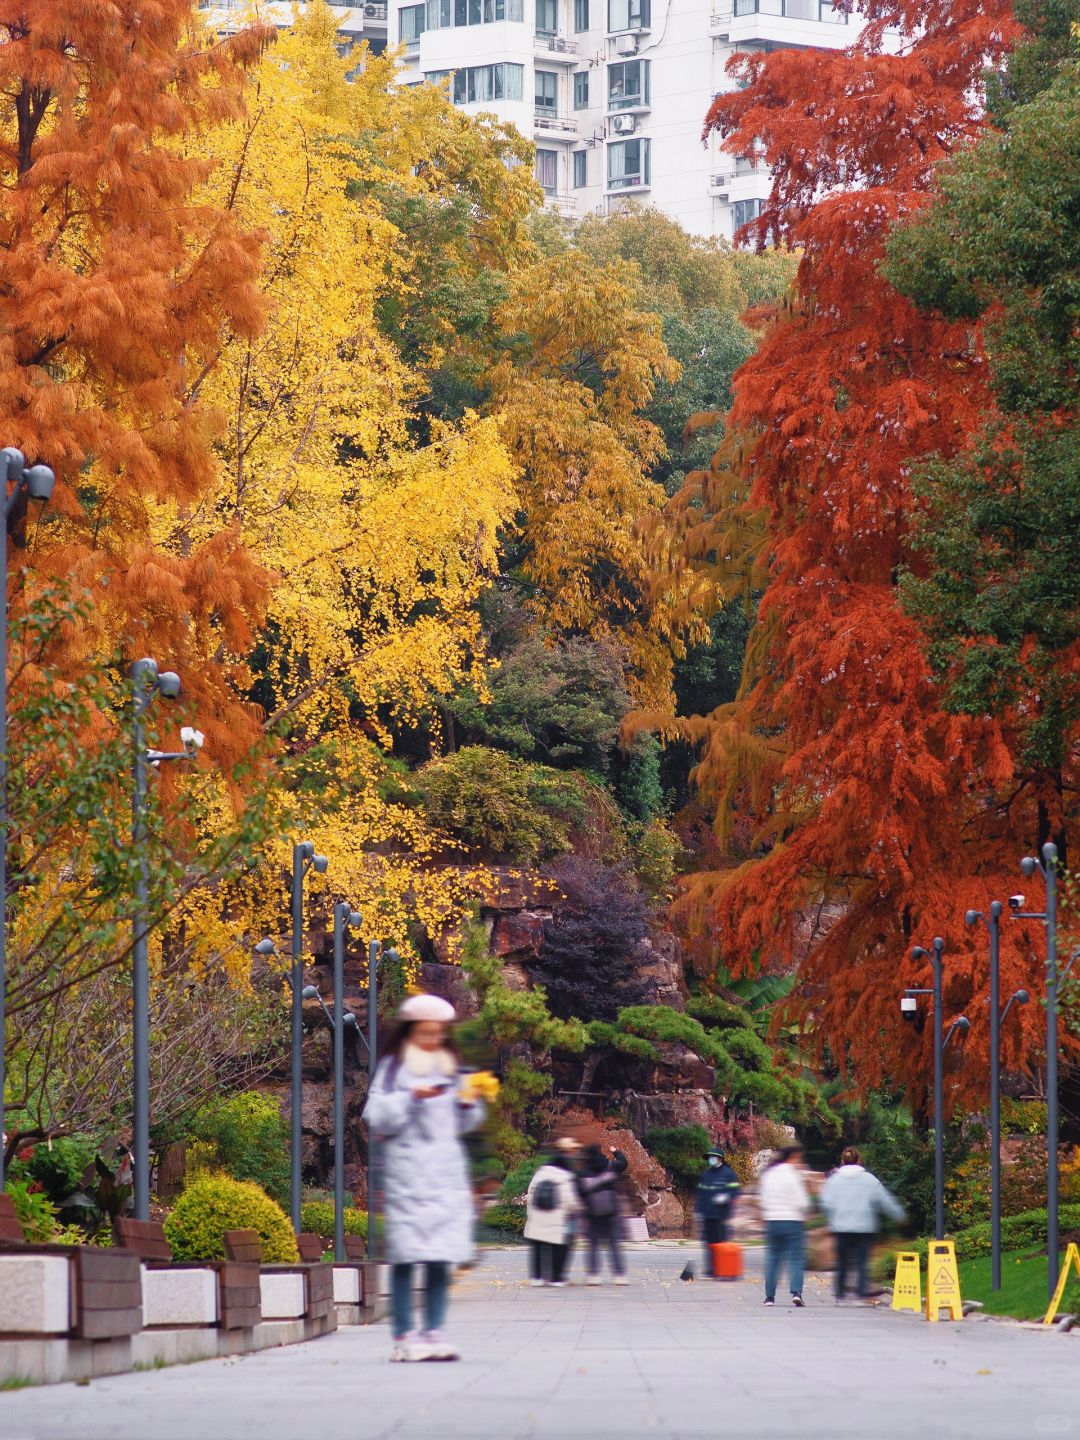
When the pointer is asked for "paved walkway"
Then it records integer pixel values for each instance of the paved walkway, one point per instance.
(659, 1358)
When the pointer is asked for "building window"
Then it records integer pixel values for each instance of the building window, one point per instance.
(581, 90)
(547, 170)
(581, 15)
(547, 17)
(830, 12)
(628, 85)
(441, 14)
(411, 23)
(628, 164)
(743, 211)
(547, 91)
(628, 15)
(581, 168)
(480, 83)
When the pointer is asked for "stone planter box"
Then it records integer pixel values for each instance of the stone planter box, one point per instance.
(283, 1295)
(177, 1298)
(35, 1295)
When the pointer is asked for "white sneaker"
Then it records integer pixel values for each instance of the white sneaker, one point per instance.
(620, 1280)
(535, 1283)
(408, 1349)
(558, 1284)
(594, 1280)
(438, 1347)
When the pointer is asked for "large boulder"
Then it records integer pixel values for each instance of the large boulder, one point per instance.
(658, 971)
(670, 1111)
(449, 982)
(520, 933)
(679, 1069)
(664, 1214)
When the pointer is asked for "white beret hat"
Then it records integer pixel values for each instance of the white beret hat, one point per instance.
(426, 1007)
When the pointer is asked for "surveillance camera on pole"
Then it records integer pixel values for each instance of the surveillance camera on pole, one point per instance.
(1017, 902)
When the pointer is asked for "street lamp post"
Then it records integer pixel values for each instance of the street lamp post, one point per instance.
(344, 916)
(36, 482)
(304, 859)
(997, 1019)
(1054, 979)
(374, 1156)
(959, 1026)
(146, 683)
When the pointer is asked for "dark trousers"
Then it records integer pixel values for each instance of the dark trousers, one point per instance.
(714, 1231)
(604, 1230)
(852, 1257)
(547, 1261)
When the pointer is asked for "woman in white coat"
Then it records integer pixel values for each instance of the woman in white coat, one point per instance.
(419, 1107)
(552, 1205)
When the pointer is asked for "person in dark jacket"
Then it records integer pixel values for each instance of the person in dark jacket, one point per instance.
(598, 1181)
(714, 1203)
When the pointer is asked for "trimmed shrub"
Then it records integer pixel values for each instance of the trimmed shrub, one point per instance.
(505, 1219)
(212, 1204)
(246, 1136)
(681, 1149)
(1017, 1233)
(317, 1218)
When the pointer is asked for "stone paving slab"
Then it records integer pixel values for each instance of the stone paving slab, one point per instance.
(657, 1358)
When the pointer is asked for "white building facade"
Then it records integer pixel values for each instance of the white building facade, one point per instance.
(613, 92)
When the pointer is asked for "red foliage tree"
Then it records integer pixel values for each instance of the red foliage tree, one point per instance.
(115, 288)
(865, 791)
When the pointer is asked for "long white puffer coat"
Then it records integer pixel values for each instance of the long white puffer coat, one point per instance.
(552, 1226)
(429, 1204)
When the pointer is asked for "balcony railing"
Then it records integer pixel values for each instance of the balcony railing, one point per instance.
(556, 45)
(789, 9)
(553, 123)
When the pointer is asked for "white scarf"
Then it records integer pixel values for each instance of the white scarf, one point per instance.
(429, 1062)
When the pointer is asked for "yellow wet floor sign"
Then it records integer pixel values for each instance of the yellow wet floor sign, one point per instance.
(1072, 1262)
(907, 1284)
(942, 1281)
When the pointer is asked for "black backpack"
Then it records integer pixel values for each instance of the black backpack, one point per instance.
(546, 1195)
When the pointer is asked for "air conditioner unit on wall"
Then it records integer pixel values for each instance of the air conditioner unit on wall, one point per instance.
(624, 124)
(626, 45)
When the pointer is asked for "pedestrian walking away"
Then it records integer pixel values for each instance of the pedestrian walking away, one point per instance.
(714, 1203)
(855, 1203)
(419, 1107)
(785, 1203)
(598, 1189)
(552, 1206)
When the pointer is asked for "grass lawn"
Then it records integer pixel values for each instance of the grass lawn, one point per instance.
(1023, 1286)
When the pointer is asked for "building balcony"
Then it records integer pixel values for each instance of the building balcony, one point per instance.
(548, 124)
(782, 22)
(556, 49)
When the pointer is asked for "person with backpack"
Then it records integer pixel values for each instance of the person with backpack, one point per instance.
(855, 1202)
(597, 1183)
(419, 1105)
(551, 1206)
(714, 1203)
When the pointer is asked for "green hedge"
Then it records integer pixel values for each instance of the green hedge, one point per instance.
(212, 1204)
(317, 1218)
(1017, 1233)
(505, 1219)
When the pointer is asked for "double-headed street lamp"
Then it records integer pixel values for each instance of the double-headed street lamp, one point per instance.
(960, 1026)
(997, 1019)
(147, 682)
(304, 859)
(34, 482)
(1047, 867)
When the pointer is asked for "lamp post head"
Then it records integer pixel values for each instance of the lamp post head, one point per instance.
(350, 1021)
(1021, 997)
(319, 864)
(39, 482)
(266, 947)
(1028, 866)
(963, 1025)
(918, 953)
(355, 919)
(309, 992)
(971, 916)
(168, 684)
(305, 849)
(13, 461)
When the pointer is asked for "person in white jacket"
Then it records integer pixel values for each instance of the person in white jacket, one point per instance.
(551, 1207)
(785, 1203)
(855, 1202)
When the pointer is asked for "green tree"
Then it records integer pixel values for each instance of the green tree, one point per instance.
(998, 534)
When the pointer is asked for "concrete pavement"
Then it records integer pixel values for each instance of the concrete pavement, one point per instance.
(658, 1358)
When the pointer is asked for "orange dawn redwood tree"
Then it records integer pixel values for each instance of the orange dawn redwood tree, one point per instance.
(863, 791)
(115, 290)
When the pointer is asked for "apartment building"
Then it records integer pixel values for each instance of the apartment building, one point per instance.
(613, 92)
(366, 21)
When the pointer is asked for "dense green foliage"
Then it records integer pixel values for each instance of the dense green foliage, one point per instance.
(681, 1149)
(317, 1218)
(248, 1137)
(212, 1204)
(34, 1211)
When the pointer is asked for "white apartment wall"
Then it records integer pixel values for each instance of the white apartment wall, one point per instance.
(688, 44)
